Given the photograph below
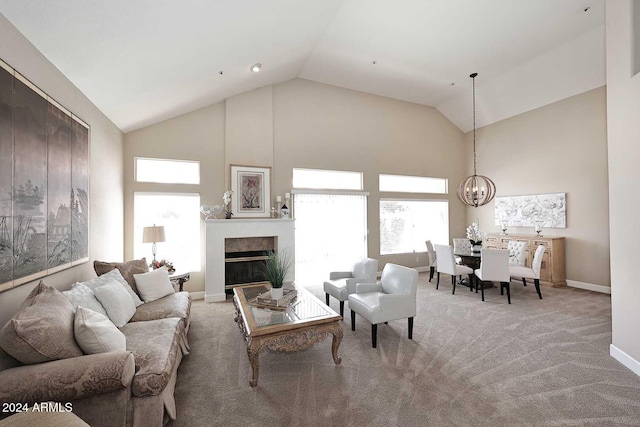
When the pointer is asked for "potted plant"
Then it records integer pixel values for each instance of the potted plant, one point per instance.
(275, 271)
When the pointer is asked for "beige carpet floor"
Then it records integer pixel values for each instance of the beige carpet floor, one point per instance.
(470, 363)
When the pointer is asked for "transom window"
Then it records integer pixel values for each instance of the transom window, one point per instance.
(167, 171)
(413, 184)
(327, 179)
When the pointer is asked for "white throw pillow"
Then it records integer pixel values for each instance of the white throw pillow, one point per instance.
(117, 302)
(113, 275)
(95, 333)
(154, 284)
(81, 295)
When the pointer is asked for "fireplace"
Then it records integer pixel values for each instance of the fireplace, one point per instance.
(236, 247)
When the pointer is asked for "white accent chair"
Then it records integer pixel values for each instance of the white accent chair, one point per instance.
(343, 283)
(393, 298)
(447, 264)
(530, 273)
(517, 252)
(494, 267)
(433, 260)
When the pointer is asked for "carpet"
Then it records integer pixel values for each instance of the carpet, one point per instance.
(470, 363)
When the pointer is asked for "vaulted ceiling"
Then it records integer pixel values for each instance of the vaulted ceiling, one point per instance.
(143, 61)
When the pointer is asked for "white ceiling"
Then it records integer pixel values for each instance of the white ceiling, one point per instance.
(142, 61)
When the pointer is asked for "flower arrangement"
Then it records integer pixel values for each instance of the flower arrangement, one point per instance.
(475, 235)
(161, 263)
(226, 199)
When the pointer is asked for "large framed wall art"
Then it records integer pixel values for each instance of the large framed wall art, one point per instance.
(251, 186)
(44, 183)
(548, 210)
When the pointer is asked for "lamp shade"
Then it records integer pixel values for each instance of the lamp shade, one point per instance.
(153, 234)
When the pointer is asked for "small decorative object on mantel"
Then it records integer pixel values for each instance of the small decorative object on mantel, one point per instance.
(475, 236)
(226, 198)
(275, 269)
(284, 210)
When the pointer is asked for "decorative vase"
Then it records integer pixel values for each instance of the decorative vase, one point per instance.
(277, 293)
(228, 215)
(476, 248)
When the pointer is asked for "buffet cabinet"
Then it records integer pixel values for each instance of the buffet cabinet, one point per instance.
(552, 272)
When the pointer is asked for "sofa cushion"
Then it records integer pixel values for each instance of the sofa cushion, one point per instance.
(116, 301)
(127, 269)
(81, 295)
(42, 330)
(155, 345)
(95, 333)
(154, 284)
(174, 305)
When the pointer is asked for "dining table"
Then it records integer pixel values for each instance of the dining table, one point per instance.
(472, 259)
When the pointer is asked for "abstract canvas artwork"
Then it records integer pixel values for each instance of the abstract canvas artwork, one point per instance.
(44, 183)
(524, 211)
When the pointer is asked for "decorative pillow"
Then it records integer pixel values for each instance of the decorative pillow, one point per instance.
(117, 302)
(82, 295)
(154, 284)
(128, 269)
(42, 330)
(112, 276)
(95, 333)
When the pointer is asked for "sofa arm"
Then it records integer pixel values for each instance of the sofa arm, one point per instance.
(363, 288)
(67, 379)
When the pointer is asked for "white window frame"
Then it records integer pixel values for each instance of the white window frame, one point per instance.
(329, 187)
(166, 177)
(394, 184)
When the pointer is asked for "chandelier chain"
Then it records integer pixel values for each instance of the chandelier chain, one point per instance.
(473, 78)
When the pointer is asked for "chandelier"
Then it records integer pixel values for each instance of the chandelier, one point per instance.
(476, 190)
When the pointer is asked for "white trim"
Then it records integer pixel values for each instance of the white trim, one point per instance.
(197, 295)
(625, 359)
(421, 269)
(332, 192)
(30, 85)
(215, 297)
(7, 67)
(589, 286)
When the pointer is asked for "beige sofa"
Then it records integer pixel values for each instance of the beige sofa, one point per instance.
(120, 388)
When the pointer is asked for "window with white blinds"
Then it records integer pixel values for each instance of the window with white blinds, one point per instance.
(406, 224)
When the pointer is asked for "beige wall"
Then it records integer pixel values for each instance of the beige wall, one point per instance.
(558, 148)
(106, 219)
(623, 112)
(303, 124)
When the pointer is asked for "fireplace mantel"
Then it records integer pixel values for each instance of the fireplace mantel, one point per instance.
(218, 230)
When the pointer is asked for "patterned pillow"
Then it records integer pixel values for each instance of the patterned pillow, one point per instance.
(95, 333)
(82, 295)
(128, 269)
(42, 330)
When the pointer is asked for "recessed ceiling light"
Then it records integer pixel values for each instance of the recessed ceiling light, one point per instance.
(256, 67)
(375, 62)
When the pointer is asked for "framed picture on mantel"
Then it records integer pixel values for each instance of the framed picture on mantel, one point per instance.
(251, 186)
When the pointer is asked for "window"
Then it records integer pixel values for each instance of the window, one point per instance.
(167, 171)
(413, 184)
(406, 224)
(327, 179)
(180, 216)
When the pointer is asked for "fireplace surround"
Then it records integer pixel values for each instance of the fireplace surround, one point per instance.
(231, 243)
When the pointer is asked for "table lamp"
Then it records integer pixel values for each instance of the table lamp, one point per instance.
(152, 235)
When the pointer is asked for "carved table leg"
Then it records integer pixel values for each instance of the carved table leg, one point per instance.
(337, 339)
(253, 351)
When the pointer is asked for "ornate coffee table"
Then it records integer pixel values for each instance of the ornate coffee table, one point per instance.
(305, 322)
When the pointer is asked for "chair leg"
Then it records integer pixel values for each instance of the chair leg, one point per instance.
(537, 283)
(524, 281)
(431, 271)
(410, 328)
(453, 282)
(501, 289)
(482, 287)
(506, 284)
(374, 335)
(353, 320)
(472, 284)
(342, 309)
(326, 297)
(438, 281)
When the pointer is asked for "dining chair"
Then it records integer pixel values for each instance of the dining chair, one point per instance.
(447, 264)
(494, 267)
(530, 273)
(517, 252)
(461, 245)
(343, 283)
(393, 298)
(431, 254)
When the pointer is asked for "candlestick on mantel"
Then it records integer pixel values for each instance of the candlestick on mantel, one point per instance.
(278, 199)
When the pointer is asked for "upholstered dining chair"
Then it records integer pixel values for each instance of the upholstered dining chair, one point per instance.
(447, 265)
(530, 273)
(461, 245)
(433, 260)
(517, 252)
(343, 283)
(393, 298)
(494, 267)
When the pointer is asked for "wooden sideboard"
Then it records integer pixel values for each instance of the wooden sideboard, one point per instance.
(552, 272)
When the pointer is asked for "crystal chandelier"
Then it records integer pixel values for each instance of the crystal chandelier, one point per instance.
(476, 190)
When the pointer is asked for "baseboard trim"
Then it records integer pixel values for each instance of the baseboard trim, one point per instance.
(215, 298)
(625, 359)
(422, 269)
(589, 286)
(197, 295)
